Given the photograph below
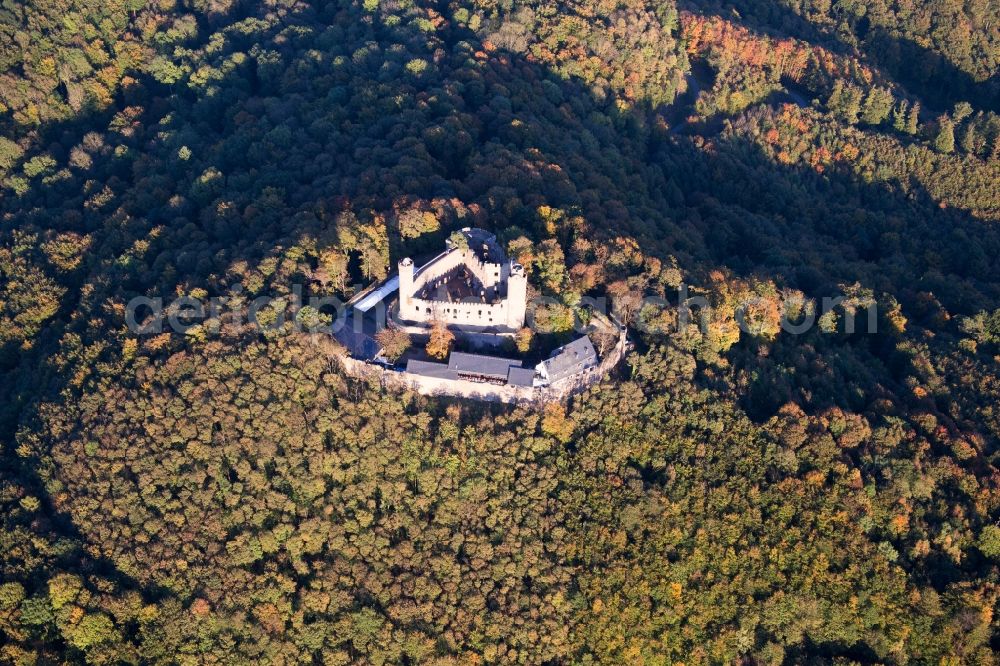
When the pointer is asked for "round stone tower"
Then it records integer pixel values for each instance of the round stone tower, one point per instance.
(517, 296)
(406, 288)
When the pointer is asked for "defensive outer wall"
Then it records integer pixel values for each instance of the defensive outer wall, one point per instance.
(460, 388)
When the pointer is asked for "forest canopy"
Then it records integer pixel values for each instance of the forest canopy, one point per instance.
(726, 496)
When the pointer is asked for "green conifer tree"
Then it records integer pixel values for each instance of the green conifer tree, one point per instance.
(945, 140)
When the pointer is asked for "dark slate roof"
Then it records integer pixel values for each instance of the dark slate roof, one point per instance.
(570, 359)
(430, 369)
(521, 376)
(359, 344)
(490, 366)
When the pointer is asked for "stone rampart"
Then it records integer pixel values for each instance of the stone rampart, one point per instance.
(461, 388)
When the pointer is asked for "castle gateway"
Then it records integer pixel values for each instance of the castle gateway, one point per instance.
(471, 284)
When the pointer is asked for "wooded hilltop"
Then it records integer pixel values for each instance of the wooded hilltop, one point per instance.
(727, 497)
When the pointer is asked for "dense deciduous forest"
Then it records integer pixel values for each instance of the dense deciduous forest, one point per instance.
(729, 496)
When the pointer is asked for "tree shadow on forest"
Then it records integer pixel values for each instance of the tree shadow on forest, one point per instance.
(724, 202)
(772, 18)
(920, 70)
(928, 74)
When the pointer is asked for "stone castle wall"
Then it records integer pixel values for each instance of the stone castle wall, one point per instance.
(433, 386)
(507, 312)
(488, 274)
(475, 313)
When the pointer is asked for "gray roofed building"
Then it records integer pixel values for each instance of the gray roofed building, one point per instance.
(521, 376)
(568, 360)
(430, 369)
(358, 341)
(476, 364)
(477, 368)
